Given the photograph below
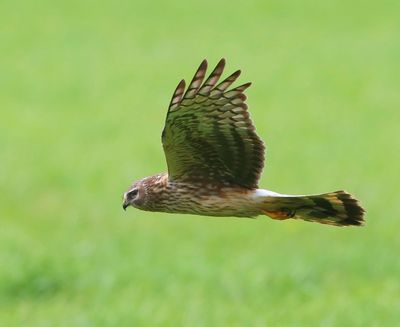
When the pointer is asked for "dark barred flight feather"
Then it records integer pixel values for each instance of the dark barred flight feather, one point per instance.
(209, 136)
(336, 208)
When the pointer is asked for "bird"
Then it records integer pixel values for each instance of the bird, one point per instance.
(215, 158)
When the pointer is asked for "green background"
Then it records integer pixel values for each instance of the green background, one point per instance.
(84, 88)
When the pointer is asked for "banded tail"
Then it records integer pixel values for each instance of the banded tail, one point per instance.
(337, 208)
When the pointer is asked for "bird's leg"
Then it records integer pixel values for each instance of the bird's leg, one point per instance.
(280, 215)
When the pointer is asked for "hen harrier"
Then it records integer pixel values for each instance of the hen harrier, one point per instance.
(215, 159)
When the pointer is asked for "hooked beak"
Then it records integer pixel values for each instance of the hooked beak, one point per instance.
(125, 205)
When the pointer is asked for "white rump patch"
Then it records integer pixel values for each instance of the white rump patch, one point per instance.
(260, 194)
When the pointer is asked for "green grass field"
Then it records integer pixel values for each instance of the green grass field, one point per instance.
(84, 88)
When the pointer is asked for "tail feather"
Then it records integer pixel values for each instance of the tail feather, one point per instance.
(336, 208)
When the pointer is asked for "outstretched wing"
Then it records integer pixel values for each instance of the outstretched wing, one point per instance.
(208, 135)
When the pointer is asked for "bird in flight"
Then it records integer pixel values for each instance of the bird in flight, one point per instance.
(215, 158)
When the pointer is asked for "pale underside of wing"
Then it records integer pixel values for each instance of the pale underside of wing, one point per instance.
(208, 135)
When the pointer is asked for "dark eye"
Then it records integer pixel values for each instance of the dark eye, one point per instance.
(133, 193)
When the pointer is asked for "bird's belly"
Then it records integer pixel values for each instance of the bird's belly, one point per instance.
(224, 204)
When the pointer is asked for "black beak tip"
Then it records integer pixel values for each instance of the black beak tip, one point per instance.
(124, 206)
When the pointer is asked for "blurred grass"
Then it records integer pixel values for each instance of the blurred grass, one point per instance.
(83, 93)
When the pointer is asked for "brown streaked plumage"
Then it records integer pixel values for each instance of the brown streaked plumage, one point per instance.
(215, 159)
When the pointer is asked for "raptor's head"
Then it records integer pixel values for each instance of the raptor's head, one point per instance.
(135, 196)
(145, 193)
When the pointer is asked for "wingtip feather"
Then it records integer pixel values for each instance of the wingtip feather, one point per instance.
(178, 95)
